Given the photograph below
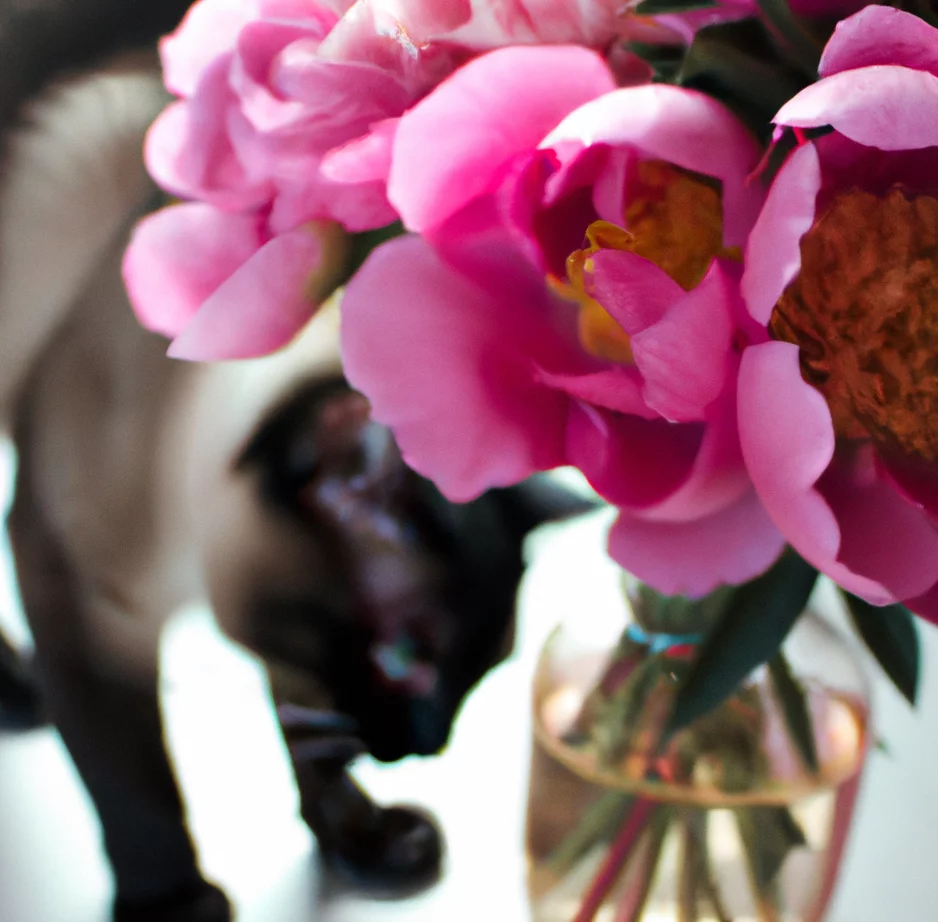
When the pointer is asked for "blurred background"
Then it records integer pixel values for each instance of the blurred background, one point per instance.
(242, 802)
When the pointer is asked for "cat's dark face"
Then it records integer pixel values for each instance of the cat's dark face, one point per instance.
(406, 599)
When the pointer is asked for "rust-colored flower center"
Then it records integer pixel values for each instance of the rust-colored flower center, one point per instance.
(675, 220)
(864, 312)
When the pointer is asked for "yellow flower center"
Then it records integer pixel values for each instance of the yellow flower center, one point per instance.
(864, 312)
(675, 220)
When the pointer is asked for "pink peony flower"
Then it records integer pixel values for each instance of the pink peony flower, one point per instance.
(571, 299)
(268, 88)
(838, 399)
(260, 105)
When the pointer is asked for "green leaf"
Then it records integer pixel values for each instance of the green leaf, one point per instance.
(891, 634)
(676, 614)
(657, 7)
(737, 64)
(795, 710)
(616, 721)
(664, 60)
(644, 868)
(753, 627)
(599, 823)
(801, 48)
(768, 835)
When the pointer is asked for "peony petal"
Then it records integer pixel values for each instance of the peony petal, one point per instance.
(448, 367)
(925, 605)
(914, 478)
(716, 478)
(881, 35)
(341, 100)
(617, 388)
(681, 126)
(694, 558)
(892, 108)
(883, 536)
(514, 22)
(179, 256)
(631, 462)
(260, 308)
(209, 30)
(773, 253)
(452, 146)
(189, 153)
(312, 197)
(425, 20)
(259, 44)
(365, 159)
(685, 356)
(635, 291)
(787, 440)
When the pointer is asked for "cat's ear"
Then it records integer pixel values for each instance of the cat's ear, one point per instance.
(288, 446)
(542, 499)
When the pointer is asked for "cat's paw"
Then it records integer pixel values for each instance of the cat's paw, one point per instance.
(402, 852)
(201, 903)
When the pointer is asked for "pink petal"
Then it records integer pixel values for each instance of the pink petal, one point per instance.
(364, 159)
(788, 442)
(449, 368)
(515, 22)
(425, 20)
(312, 197)
(925, 605)
(883, 536)
(189, 153)
(693, 558)
(716, 478)
(209, 30)
(914, 478)
(260, 308)
(631, 462)
(685, 356)
(609, 189)
(881, 35)
(179, 256)
(452, 146)
(259, 44)
(683, 127)
(617, 388)
(773, 253)
(341, 100)
(892, 108)
(635, 291)
(367, 34)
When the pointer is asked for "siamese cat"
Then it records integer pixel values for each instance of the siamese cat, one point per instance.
(261, 487)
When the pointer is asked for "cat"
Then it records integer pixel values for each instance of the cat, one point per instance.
(262, 487)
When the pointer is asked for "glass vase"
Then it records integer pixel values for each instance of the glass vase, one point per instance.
(742, 816)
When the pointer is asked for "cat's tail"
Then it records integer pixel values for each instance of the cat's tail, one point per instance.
(20, 701)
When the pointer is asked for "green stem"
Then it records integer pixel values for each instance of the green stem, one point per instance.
(708, 880)
(636, 896)
(599, 822)
(687, 881)
(615, 860)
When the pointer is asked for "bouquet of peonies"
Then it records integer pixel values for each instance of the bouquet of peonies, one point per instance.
(689, 247)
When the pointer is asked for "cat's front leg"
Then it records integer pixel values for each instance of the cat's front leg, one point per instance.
(109, 719)
(394, 848)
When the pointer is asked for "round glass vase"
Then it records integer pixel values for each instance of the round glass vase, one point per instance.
(740, 817)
